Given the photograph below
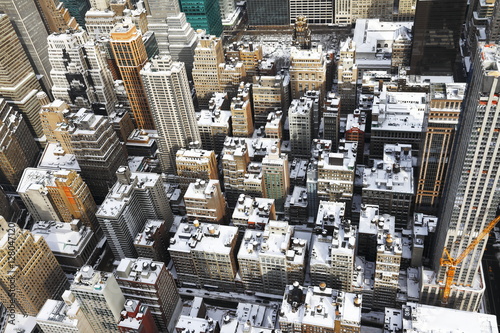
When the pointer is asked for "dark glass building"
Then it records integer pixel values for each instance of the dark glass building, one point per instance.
(268, 12)
(203, 14)
(436, 34)
(77, 9)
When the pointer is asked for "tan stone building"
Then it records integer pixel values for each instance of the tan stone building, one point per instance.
(307, 72)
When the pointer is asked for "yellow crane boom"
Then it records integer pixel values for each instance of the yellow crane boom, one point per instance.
(452, 263)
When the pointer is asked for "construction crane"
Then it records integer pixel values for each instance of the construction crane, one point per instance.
(452, 263)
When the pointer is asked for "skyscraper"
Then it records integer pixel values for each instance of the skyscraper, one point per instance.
(436, 34)
(130, 55)
(472, 190)
(169, 96)
(19, 150)
(28, 24)
(276, 176)
(35, 275)
(18, 82)
(203, 14)
(77, 9)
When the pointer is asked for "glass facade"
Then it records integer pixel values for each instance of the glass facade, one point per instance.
(203, 14)
(268, 12)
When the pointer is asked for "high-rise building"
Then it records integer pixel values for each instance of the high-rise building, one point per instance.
(205, 254)
(136, 317)
(100, 298)
(169, 96)
(235, 160)
(307, 72)
(18, 82)
(405, 11)
(241, 116)
(208, 55)
(192, 164)
(253, 213)
(130, 56)
(59, 195)
(31, 31)
(151, 283)
(77, 9)
(270, 260)
(276, 176)
(205, 202)
(347, 74)
(316, 12)
(319, 309)
(135, 198)
(300, 118)
(387, 266)
(436, 35)
(204, 14)
(270, 93)
(55, 17)
(342, 12)
(214, 124)
(366, 9)
(249, 54)
(83, 81)
(444, 110)
(466, 210)
(152, 241)
(32, 272)
(97, 149)
(19, 149)
(331, 119)
(268, 12)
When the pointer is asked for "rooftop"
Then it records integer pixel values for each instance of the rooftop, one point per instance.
(203, 237)
(141, 270)
(63, 238)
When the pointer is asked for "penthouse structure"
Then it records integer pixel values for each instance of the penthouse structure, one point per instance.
(150, 283)
(100, 298)
(389, 184)
(253, 213)
(204, 255)
(320, 309)
(333, 248)
(397, 118)
(271, 259)
(35, 275)
(73, 244)
(57, 195)
(135, 198)
(205, 202)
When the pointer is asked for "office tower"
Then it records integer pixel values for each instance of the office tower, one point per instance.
(26, 20)
(366, 9)
(333, 249)
(347, 75)
(100, 298)
(135, 198)
(355, 129)
(152, 241)
(331, 119)
(235, 160)
(79, 71)
(316, 12)
(436, 34)
(203, 15)
(241, 116)
(19, 149)
(276, 176)
(389, 183)
(208, 55)
(266, 12)
(97, 150)
(342, 12)
(151, 283)
(270, 93)
(249, 54)
(169, 96)
(63, 316)
(387, 265)
(73, 244)
(130, 55)
(465, 209)
(59, 195)
(444, 110)
(194, 163)
(405, 11)
(205, 202)
(401, 49)
(55, 17)
(214, 124)
(34, 275)
(319, 309)
(205, 255)
(272, 259)
(136, 317)
(52, 115)
(77, 9)
(307, 72)
(397, 118)
(372, 223)
(253, 213)
(18, 82)
(300, 116)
